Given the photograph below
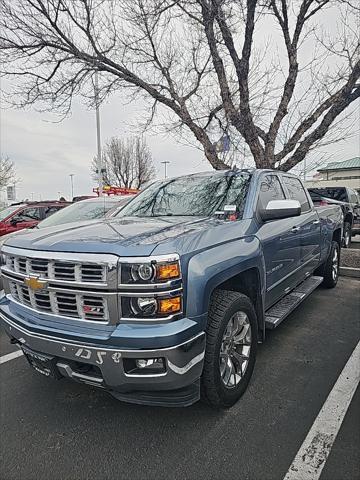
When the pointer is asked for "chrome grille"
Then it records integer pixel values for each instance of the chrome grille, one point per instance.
(82, 286)
(70, 304)
(58, 270)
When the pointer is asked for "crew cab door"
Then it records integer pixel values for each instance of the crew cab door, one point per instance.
(280, 241)
(308, 225)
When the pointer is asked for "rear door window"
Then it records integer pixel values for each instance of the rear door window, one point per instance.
(270, 189)
(297, 192)
(51, 209)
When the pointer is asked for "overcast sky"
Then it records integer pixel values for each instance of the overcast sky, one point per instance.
(45, 153)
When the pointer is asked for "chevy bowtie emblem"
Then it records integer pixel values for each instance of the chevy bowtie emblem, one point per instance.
(34, 283)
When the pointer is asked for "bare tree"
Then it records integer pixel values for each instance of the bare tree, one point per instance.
(127, 163)
(7, 172)
(204, 62)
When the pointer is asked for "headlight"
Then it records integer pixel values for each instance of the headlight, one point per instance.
(144, 272)
(160, 269)
(143, 306)
(150, 288)
(156, 307)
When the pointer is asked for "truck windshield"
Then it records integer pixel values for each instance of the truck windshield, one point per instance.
(193, 195)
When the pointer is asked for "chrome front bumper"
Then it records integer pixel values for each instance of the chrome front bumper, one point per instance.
(177, 385)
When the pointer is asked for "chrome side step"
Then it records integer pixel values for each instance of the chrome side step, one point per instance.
(276, 314)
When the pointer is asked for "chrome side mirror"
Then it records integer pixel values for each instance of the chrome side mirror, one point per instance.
(277, 209)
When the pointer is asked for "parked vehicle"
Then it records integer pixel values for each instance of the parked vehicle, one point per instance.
(349, 202)
(167, 301)
(83, 197)
(27, 215)
(84, 210)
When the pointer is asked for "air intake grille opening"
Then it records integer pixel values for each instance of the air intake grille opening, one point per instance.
(76, 305)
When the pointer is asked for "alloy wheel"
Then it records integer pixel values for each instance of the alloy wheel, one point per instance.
(335, 264)
(235, 350)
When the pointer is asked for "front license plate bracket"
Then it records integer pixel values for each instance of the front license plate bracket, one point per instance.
(44, 364)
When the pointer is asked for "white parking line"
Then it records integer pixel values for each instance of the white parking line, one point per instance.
(10, 356)
(311, 458)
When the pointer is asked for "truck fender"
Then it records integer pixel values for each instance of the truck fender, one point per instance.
(212, 267)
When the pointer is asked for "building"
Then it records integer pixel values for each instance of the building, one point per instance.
(344, 174)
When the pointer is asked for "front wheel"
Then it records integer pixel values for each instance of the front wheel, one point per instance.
(331, 270)
(232, 336)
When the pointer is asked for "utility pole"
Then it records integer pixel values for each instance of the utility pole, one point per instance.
(72, 184)
(98, 136)
(165, 162)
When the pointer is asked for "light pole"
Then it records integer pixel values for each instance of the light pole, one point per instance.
(165, 162)
(72, 184)
(98, 137)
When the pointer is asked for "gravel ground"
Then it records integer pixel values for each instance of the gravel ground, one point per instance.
(350, 258)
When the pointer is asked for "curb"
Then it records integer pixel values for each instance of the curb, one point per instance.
(350, 272)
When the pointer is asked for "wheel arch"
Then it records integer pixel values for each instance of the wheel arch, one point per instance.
(248, 282)
(236, 265)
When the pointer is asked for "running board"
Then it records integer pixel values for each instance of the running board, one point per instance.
(276, 314)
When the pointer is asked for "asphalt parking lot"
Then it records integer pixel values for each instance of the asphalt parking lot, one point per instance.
(62, 430)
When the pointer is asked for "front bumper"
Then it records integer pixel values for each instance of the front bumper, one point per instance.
(178, 385)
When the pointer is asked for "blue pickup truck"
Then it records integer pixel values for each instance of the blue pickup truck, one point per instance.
(166, 303)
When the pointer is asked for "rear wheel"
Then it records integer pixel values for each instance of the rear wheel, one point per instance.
(231, 348)
(331, 270)
(347, 235)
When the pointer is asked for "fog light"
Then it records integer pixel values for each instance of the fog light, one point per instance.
(149, 362)
(144, 366)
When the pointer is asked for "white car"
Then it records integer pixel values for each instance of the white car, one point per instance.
(83, 210)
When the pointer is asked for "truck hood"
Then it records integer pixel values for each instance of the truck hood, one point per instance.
(127, 236)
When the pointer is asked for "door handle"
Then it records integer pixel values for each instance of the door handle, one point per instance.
(316, 222)
(295, 229)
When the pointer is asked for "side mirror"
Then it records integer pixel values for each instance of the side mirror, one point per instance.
(277, 209)
(14, 221)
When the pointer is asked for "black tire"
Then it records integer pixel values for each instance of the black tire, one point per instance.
(346, 235)
(331, 279)
(224, 304)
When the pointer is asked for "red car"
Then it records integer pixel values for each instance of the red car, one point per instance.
(26, 215)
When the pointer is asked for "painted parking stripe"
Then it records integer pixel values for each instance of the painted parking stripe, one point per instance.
(10, 356)
(311, 458)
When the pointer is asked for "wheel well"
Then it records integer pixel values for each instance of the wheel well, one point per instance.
(248, 283)
(337, 236)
